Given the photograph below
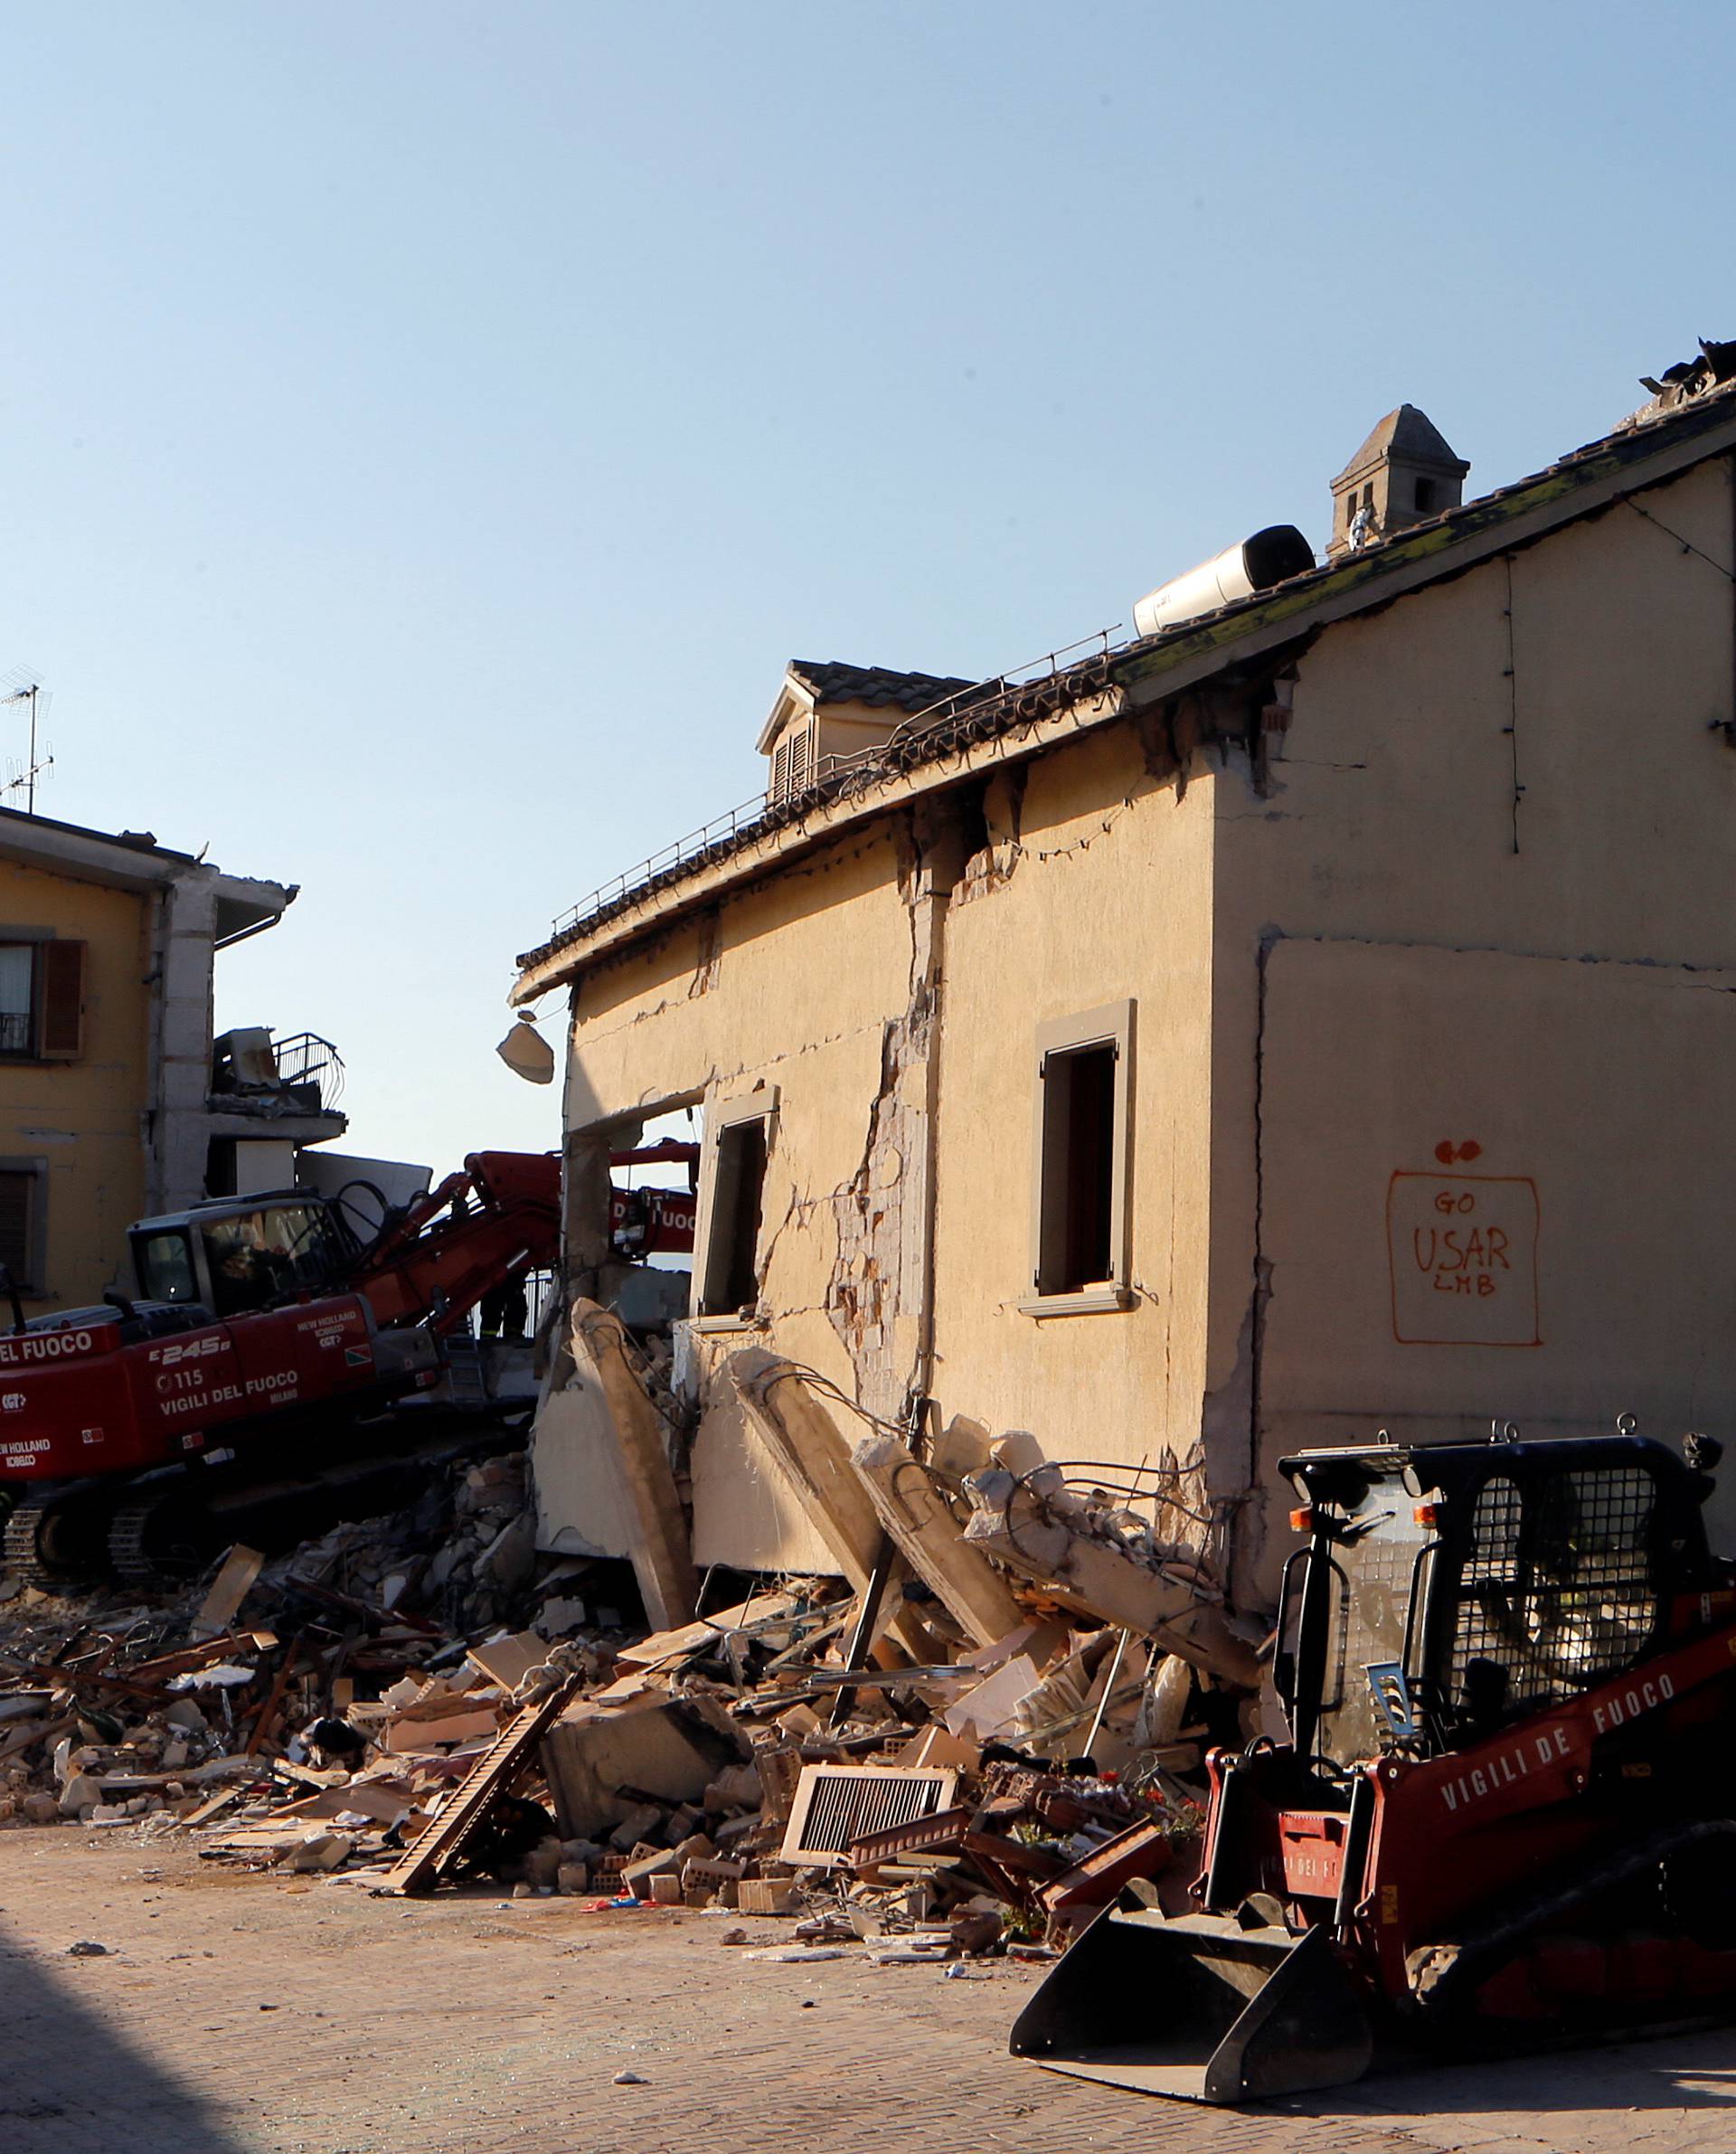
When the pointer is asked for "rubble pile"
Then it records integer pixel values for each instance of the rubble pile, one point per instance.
(990, 1723)
(113, 1709)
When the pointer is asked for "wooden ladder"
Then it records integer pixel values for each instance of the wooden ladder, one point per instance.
(495, 1774)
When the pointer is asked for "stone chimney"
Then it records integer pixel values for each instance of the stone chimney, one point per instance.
(1405, 473)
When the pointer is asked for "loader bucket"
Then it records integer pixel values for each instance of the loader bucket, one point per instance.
(1198, 2007)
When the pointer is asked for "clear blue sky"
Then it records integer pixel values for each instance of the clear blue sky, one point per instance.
(430, 428)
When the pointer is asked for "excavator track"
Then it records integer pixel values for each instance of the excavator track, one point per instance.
(24, 1525)
(56, 1543)
(141, 1549)
(164, 1529)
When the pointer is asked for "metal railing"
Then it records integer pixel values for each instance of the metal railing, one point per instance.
(305, 1060)
(828, 776)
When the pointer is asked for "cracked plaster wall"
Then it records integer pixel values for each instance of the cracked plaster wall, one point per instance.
(807, 984)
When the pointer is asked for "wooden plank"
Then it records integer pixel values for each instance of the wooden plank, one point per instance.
(411, 1733)
(54, 1673)
(211, 1807)
(376, 1619)
(229, 1588)
(207, 1655)
(1141, 1851)
(704, 1631)
(495, 1774)
(266, 1718)
(1018, 1857)
(945, 1829)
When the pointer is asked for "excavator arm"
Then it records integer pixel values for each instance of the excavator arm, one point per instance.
(477, 1231)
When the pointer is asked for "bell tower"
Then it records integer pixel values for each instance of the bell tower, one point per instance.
(1405, 473)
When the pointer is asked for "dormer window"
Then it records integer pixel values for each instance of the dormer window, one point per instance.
(792, 761)
(830, 715)
(1428, 497)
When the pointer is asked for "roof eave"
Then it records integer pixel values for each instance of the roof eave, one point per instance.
(1182, 659)
(793, 697)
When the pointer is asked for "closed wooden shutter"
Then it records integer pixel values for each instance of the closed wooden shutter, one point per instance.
(780, 770)
(62, 1001)
(799, 747)
(17, 1188)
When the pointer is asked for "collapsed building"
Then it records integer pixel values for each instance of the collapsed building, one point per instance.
(1308, 1018)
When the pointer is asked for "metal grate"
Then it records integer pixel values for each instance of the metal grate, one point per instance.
(837, 1805)
(1561, 1586)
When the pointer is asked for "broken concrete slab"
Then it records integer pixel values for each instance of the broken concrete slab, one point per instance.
(812, 1459)
(913, 1509)
(659, 1750)
(662, 1559)
(508, 1660)
(1073, 1550)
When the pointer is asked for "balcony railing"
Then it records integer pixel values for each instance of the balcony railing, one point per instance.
(307, 1064)
(831, 775)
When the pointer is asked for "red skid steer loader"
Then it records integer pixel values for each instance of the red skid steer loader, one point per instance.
(1505, 1817)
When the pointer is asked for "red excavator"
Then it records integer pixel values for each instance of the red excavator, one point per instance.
(1502, 1819)
(266, 1328)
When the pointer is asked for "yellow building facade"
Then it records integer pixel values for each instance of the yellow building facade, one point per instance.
(107, 943)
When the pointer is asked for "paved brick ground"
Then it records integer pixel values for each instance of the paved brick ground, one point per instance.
(243, 2016)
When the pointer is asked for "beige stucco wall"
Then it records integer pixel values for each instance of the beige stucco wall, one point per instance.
(83, 1119)
(1386, 828)
(1100, 888)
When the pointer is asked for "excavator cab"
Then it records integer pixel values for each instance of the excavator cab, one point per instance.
(243, 1253)
(1444, 1593)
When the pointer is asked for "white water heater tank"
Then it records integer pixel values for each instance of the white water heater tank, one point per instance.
(1270, 556)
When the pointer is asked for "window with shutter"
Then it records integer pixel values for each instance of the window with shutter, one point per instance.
(780, 770)
(801, 757)
(62, 1001)
(17, 998)
(17, 1201)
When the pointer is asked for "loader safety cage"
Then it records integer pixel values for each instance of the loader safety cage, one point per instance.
(1467, 1585)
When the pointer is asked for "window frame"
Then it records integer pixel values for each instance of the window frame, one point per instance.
(761, 1105)
(32, 1012)
(34, 1286)
(1110, 1025)
(59, 978)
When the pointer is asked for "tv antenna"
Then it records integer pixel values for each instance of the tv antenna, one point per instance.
(22, 777)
